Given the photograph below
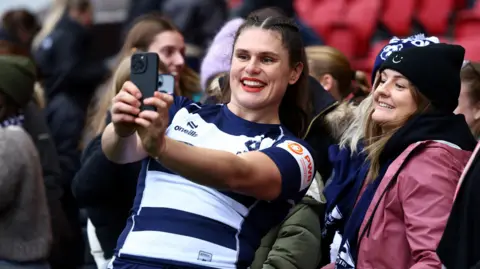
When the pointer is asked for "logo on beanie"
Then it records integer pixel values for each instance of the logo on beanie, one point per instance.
(397, 59)
(389, 49)
(397, 44)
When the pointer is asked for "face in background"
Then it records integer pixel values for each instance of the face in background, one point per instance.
(468, 107)
(393, 100)
(170, 47)
(261, 71)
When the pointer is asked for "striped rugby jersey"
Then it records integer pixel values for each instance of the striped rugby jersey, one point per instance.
(179, 222)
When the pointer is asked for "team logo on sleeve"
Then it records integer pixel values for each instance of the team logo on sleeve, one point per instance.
(304, 160)
(295, 148)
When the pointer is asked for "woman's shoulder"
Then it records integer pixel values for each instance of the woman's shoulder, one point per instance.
(433, 161)
(443, 151)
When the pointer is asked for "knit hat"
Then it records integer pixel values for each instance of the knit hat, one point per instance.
(397, 44)
(434, 70)
(219, 55)
(17, 78)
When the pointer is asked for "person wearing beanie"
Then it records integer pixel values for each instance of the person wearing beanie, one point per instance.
(17, 80)
(24, 222)
(416, 149)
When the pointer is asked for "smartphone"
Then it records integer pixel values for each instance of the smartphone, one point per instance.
(144, 74)
(166, 83)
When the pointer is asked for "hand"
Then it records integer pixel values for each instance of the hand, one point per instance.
(125, 108)
(153, 124)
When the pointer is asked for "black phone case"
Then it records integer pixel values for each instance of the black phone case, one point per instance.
(144, 74)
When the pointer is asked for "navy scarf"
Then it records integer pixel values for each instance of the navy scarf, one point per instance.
(428, 126)
(349, 172)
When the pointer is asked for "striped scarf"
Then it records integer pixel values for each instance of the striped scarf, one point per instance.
(16, 120)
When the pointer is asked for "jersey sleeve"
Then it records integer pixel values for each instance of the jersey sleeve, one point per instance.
(295, 162)
(179, 102)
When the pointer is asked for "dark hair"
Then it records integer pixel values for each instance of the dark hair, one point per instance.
(295, 107)
(20, 21)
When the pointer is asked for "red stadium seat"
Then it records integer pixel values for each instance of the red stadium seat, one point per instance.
(321, 15)
(344, 39)
(472, 47)
(362, 16)
(433, 15)
(468, 22)
(397, 16)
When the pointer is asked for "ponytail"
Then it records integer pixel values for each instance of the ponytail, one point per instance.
(360, 87)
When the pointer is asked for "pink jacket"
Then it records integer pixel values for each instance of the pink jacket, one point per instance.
(409, 221)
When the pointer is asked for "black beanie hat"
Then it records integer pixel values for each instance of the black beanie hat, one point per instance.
(434, 70)
(17, 78)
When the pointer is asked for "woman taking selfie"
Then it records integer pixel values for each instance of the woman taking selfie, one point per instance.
(216, 178)
(416, 150)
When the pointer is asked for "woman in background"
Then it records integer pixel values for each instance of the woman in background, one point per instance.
(333, 70)
(469, 100)
(154, 33)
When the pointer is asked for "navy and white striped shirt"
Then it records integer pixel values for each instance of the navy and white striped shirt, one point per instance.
(179, 222)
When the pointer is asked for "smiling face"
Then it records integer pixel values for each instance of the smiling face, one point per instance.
(393, 100)
(261, 70)
(170, 47)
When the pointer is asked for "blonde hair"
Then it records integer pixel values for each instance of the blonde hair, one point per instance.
(354, 132)
(327, 60)
(51, 19)
(122, 74)
(215, 90)
(376, 138)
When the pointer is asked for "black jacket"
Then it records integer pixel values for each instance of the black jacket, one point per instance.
(199, 21)
(459, 247)
(64, 62)
(107, 191)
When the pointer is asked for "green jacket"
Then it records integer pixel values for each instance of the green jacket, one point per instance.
(295, 243)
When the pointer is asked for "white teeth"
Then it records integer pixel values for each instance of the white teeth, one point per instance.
(385, 105)
(253, 83)
(174, 74)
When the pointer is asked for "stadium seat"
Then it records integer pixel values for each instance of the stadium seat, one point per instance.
(343, 38)
(468, 22)
(460, 4)
(397, 16)
(366, 64)
(321, 15)
(362, 16)
(434, 15)
(472, 47)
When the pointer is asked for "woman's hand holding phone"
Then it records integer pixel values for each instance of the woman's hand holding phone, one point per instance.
(125, 108)
(152, 124)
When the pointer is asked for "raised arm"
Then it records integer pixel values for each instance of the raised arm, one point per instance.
(122, 150)
(119, 140)
(282, 170)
